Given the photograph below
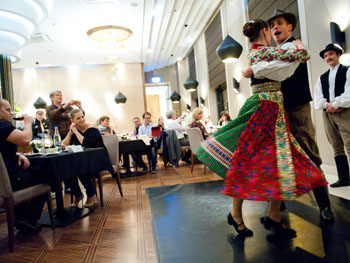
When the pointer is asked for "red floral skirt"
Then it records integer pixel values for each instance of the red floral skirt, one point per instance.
(268, 163)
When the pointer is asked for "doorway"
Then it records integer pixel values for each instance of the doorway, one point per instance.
(157, 101)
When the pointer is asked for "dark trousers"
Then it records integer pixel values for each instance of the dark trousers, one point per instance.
(33, 208)
(136, 157)
(73, 184)
(303, 130)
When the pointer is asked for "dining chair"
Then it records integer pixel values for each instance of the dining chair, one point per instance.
(195, 137)
(9, 199)
(112, 145)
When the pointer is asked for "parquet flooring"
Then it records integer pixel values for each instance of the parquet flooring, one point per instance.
(121, 231)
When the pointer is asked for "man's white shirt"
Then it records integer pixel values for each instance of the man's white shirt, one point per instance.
(171, 124)
(342, 101)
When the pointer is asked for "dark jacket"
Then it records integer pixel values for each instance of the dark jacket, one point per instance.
(36, 127)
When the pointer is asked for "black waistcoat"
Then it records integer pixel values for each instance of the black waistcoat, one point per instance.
(295, 90)
(340, 79)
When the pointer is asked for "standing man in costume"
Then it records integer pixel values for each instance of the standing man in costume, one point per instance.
(332, 95)
(297, 97)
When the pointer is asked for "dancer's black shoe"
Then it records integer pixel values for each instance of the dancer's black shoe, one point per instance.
(244, 232)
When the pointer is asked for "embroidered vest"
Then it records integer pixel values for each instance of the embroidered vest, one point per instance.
(295, 90)
(340, 79)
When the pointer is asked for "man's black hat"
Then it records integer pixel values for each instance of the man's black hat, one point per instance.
(289, 17)
(334, 47)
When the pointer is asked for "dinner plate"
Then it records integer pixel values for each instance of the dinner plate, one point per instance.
(48, 153)
(31, 154)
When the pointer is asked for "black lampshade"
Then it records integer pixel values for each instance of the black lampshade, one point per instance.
(338, 37)
(191, 84)
(39, 103)
(120, 98)
(175, 97)
(229, 50)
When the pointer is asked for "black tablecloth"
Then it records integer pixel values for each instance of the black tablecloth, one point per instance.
(133, 146)
(55, 168)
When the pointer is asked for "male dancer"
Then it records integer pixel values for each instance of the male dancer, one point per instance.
(297, 97)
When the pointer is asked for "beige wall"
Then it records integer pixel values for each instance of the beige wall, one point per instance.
(315, 16)
(204, 91)
(95, 85)
(233, 18)
(183, 72)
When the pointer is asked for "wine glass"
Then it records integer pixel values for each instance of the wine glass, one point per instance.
(39, 145)
(17, 116)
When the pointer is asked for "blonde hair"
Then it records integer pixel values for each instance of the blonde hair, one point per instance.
(196, 112)
(73, 112)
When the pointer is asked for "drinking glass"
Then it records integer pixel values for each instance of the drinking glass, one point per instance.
(39, 145)
(17, 116)
(47, 139)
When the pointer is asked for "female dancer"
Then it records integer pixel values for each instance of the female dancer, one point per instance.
(256, 153)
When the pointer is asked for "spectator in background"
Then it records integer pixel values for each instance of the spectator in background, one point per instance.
(58, 113)
(173, 123)
(82, 133)
(208, 123)
(39, 125)
(161, 123)
(104, 126)
(18, 168)
(224, 118)
(137, 124)
(146, 129)
(197, 115)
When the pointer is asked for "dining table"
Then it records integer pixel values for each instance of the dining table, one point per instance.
(137, 146)
(57, 167)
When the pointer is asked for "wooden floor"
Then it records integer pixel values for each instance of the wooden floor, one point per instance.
(119, 232)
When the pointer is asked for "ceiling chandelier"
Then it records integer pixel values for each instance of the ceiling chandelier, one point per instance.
(109, 36)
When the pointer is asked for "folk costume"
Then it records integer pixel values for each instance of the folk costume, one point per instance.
(256, 153)
(334, 87)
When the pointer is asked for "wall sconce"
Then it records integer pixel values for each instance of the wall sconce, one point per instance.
(175, 97)
(201, 100)
(120, 98)
(236, 85)
(188, 107)
(338, 37)
(191, 84)
(229, 50)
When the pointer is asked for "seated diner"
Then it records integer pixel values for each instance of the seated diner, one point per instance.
(84, 134)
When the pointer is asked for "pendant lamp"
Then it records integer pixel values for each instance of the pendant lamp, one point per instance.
(175, 97)
(191, 84)
(40, 103)
(120, 98)
(229, 50)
